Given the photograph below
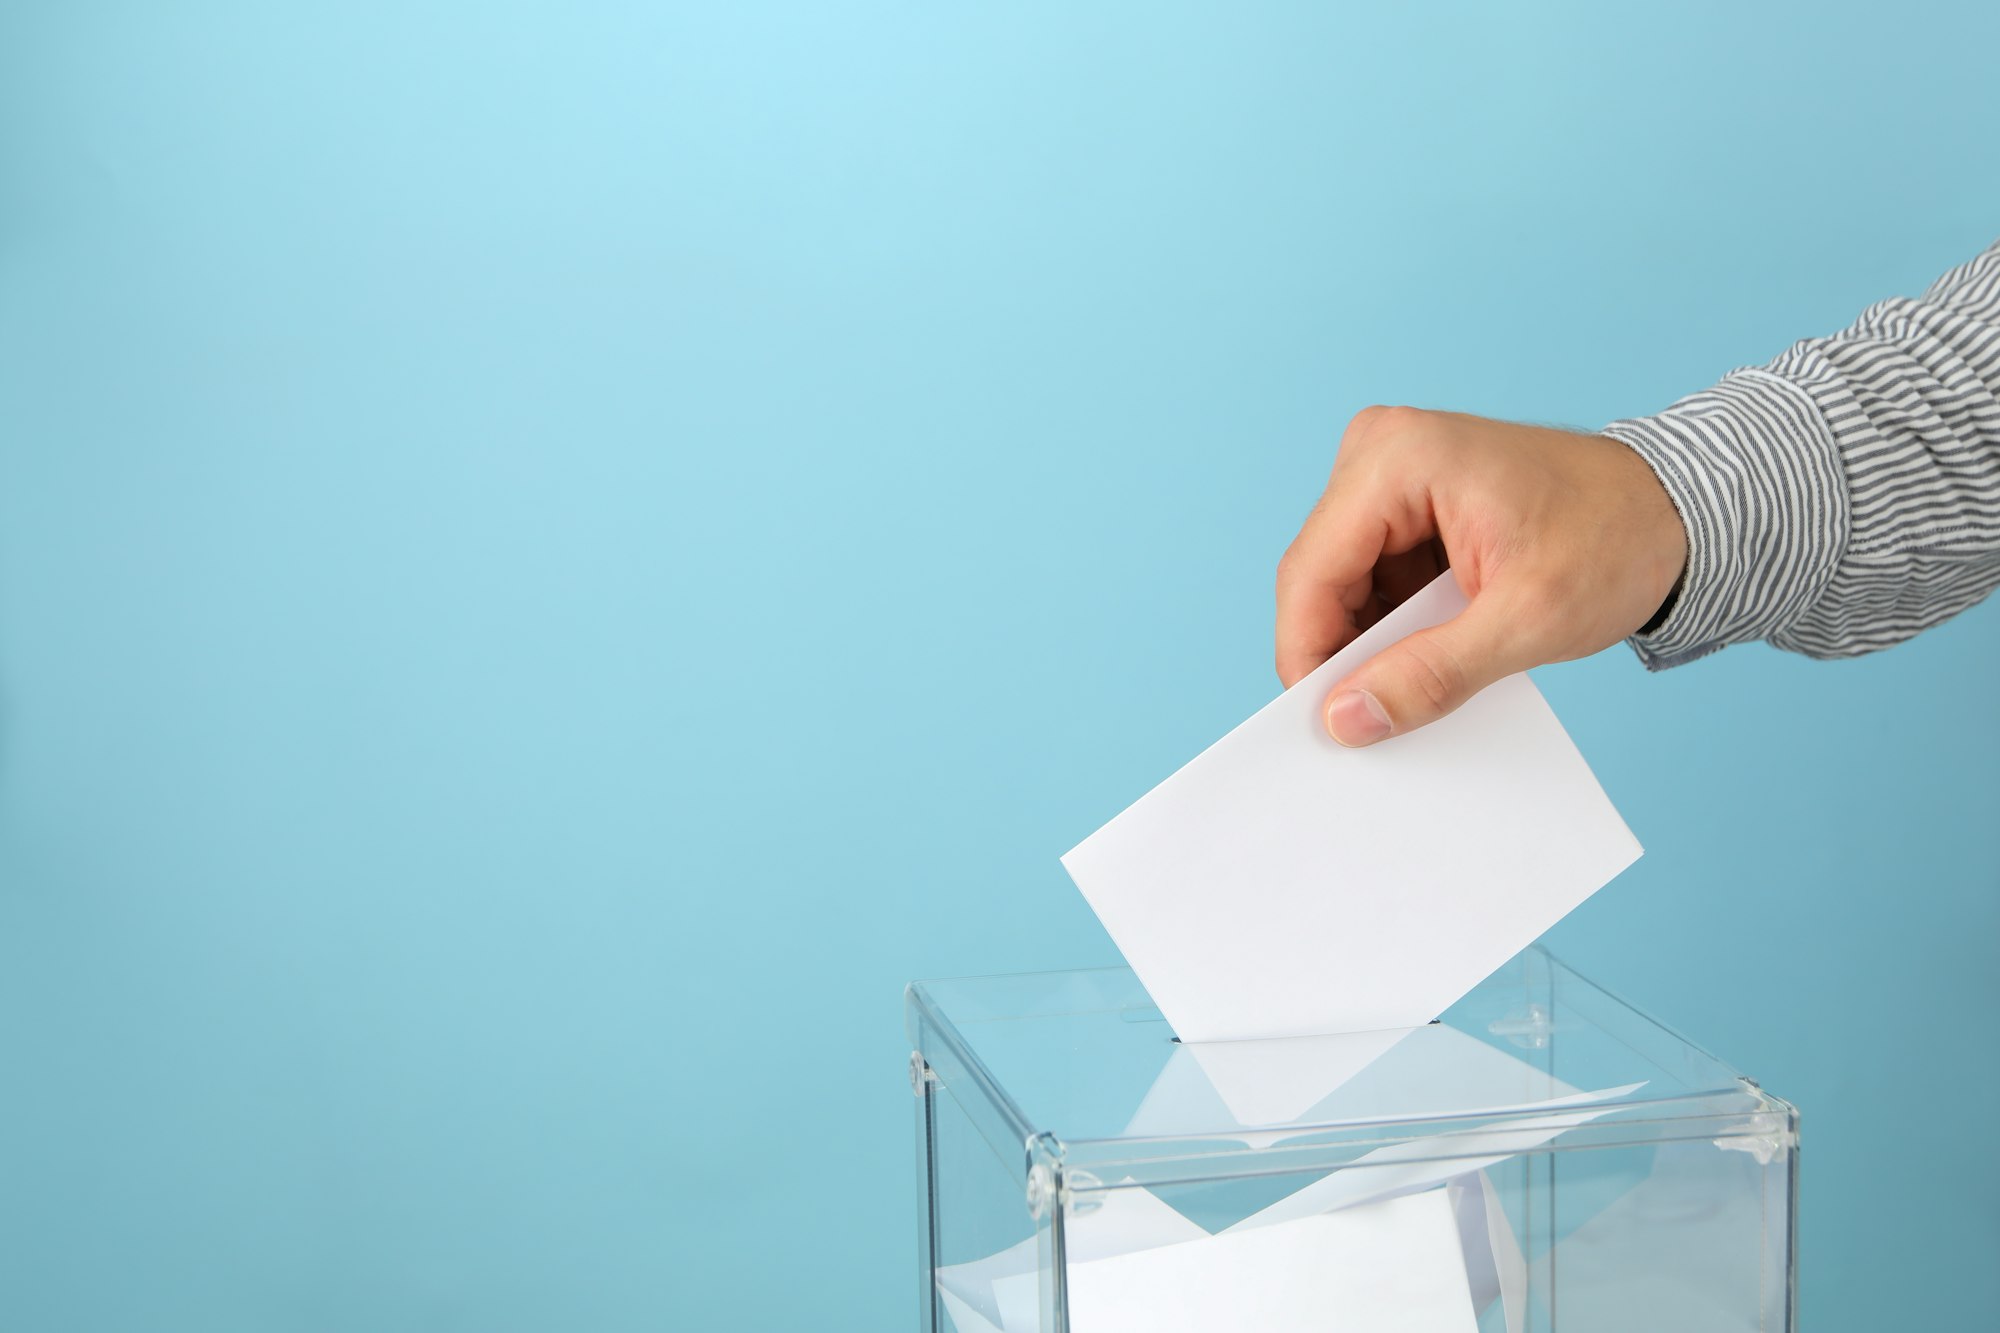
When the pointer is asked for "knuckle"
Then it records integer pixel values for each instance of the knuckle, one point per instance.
(1367, 426)
(1367, 419)
(1401, 420)
(1437, 676)
(1383, 421)
(1391, 438)
(1296, 561)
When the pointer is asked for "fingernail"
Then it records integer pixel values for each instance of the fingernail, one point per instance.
(1354, 717)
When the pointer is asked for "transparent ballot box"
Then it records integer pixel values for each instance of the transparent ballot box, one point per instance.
(1543, 1158)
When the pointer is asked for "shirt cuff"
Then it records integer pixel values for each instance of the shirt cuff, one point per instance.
(1755, 474)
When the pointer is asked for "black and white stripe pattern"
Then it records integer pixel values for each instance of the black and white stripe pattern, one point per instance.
(1846, 496)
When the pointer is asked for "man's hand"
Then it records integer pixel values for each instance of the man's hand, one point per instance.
(1563, 544)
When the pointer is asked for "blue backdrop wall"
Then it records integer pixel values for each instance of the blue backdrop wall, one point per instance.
(552, 556)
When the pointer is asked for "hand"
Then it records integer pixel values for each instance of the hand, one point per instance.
(1562, 543)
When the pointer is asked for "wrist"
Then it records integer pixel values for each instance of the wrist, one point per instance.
(1750, 469)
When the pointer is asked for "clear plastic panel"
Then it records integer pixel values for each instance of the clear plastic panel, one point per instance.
(1544, 1157)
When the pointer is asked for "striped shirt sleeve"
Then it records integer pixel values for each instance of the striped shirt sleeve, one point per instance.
(1845, 496)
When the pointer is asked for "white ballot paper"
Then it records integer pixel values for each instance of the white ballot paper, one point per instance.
(1396, 1266)
(1281, 885)
(1407, 1073)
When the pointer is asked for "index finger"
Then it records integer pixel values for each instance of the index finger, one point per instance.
(1327, 575)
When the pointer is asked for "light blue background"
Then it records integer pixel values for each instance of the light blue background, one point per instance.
(552, 556)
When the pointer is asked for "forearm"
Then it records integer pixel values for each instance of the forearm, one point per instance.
(1846, 496)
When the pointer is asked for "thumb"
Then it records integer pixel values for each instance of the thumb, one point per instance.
(1419, 679)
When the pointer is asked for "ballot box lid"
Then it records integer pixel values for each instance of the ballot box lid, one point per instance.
(1081, 1067)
